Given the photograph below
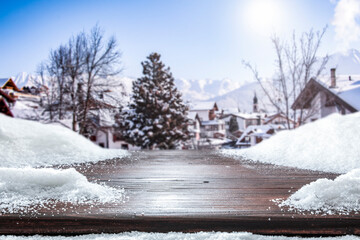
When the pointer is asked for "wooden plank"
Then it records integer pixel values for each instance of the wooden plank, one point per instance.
(187, 191)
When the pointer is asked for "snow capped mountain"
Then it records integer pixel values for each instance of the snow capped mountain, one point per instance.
(25, 79)
(197, 90)
(242, 98)
(347, 63)
(226, 92)
(231, 94)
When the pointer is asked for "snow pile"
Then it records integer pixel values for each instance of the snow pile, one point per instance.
(27, 143)
(20, 189)
(174, 236)
(340, 195)
(330, 144)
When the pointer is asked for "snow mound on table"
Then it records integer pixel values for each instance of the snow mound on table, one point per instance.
(174, 236)
(21, 188)
(29, 143)
(341, 195)
(330, 144)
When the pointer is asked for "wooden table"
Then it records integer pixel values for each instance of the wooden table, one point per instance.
(187, 191)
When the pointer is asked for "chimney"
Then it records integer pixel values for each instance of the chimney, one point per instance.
(333, 78)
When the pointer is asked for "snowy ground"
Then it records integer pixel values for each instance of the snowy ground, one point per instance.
(341, 195)
(174, 236)
(27, 144)
(23, 189)
(330, 144)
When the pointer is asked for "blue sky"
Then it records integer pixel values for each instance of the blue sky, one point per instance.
(196, 38)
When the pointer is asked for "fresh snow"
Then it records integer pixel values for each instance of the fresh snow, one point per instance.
(23, 188)
(174, 236)
(29, 143)
(330, 144)
(341, 195)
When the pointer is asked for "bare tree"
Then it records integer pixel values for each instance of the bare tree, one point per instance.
(75, 68)
(82, 78)
(100, 64)
(295, 62)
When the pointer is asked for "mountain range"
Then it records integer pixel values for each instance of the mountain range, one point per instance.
(227, 92)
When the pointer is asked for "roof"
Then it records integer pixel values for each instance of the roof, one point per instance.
(257, 130)
(273, 116)
(212, 122)
(203, 106)
(249, 116)
(346, 92)
(4, 81)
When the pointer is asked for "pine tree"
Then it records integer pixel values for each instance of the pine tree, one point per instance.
(156, 115)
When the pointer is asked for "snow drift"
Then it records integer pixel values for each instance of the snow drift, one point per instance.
(330, 144)
(340, 195)
(27, 143)
(22, 188)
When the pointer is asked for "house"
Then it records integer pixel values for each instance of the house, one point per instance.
(278, 119)
(254, 135)
(205, 110)
(324, 96)
(213, 129)
(243, 120)
(8, 84)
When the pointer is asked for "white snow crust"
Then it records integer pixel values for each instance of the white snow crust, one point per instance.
(22, 188)
(341, 195)
(29, 143)
(26, 144)
(331, 144)
(174, 236)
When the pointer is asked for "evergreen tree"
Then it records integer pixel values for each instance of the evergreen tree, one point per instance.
(156, 115)
(233, 125)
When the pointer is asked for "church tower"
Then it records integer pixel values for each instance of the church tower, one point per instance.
(255, 104)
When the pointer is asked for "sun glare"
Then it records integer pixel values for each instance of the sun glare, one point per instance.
(263, 16)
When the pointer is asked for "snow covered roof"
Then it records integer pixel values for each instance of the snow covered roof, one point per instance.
(203, 106)
(347, 90)
(212, 122)
(257, 130)
(246, 115)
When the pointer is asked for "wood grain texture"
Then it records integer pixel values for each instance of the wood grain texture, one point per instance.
(187, 191)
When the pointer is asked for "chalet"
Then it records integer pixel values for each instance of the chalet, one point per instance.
(254, 135)
(213, 129)
(8, 84)
(243, 119)
(210, 125)
(205, 110)
(337, 94)
(277, 119)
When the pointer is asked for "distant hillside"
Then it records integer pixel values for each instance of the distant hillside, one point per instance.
(202, 89)
(345, 63)
(241, 97)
